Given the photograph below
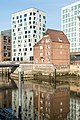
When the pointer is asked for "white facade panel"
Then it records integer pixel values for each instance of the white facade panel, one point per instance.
(70, 24)
(28, 27)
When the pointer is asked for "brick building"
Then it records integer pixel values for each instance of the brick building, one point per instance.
(53, 48)
(5, 45)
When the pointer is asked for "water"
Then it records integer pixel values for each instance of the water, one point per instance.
(42, 102)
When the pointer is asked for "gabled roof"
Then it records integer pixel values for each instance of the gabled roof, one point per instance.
(55, 36)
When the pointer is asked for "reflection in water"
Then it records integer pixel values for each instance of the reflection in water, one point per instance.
(5, 98)
(74, 107)
(42, 102)
(5, 95)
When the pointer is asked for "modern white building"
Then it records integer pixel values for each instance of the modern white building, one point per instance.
(70, 24)
(28, 27)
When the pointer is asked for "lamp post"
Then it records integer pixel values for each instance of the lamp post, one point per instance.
(19, 94)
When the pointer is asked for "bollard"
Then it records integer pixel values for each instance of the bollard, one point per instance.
(20, 94)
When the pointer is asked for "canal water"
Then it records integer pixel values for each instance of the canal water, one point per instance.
(41, 101)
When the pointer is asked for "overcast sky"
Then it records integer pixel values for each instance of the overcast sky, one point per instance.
(51, 7)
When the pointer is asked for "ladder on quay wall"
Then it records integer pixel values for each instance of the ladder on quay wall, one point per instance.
(5, 115)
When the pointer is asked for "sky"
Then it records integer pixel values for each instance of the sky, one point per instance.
(51, 7)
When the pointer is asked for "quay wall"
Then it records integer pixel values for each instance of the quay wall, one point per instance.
(42, 70)
(29, 70)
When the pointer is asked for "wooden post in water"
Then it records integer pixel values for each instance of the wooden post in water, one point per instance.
(8, 75)
(2, 72)
(19, 94)
(55, 78)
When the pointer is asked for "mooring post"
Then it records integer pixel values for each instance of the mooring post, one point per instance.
(8, 75)
(19, 94)
(55, 78)
(2, 72)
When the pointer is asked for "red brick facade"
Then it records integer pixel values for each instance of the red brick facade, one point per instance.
(53, 48)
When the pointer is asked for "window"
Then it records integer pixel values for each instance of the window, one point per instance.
(34, 31)
(29, 22)
(44, 17)
(43, 25)
(34, 13)
(39, 28)
(61, 52)
(25, 49)
(4, 47)
(19, 50)
(25, 28)
(14, 34)
(42, 60)
(61, 103)
(28, 31)
(61, 109)
(30, 26)
(34, 27)
(17, 58)
(18, 29)
(39, 15)
(20, 24)
(13, 17)
(29, 18)
(34, 18)
(14, 50)
(28, 40)
(60, 40)
(9, 54)
(17, 17)
(24, 19)
(39, 20)
(25, 36)
(20, 16)
(24, 53)
(35, 40)
(43, 29)
(41, 47)
(33, 35)
(25, 15)
(30, 49)
(36, 60)
(41, 54)
(29, 44)
(21, 58)
(14, 26)
(31, 58)
(33, 22)
(13, 59)
(13, 30)
(47, 40)
(30, 13)
(18, 21)
(25, 32)
(60, 46)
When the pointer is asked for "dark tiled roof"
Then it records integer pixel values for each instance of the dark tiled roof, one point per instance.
(57, 36)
